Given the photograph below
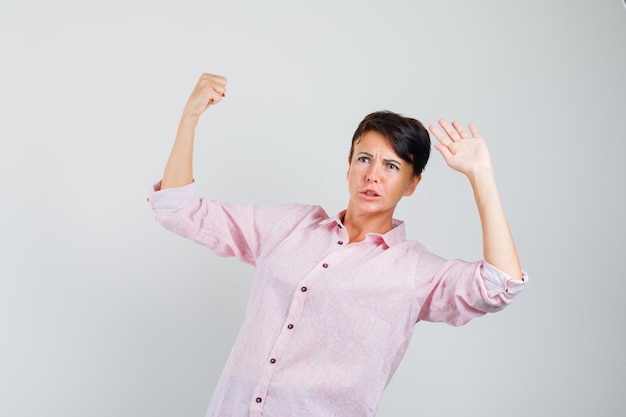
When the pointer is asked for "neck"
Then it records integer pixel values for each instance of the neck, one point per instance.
(359, 224)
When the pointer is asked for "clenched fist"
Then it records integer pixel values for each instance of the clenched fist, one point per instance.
(209, 90)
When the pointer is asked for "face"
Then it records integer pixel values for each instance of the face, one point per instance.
(377, 177)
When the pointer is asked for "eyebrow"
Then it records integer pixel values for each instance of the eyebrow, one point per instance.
(386, 160)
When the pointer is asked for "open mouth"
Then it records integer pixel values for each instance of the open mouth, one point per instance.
(370, 193)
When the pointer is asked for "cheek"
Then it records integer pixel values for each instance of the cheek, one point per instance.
(350, 177)
(409, 186)
(353, 172)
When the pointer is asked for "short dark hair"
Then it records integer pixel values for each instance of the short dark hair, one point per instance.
(408, 137)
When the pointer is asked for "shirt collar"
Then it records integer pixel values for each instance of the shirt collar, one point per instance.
(392, 237)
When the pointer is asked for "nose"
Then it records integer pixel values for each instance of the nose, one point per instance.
(371, 175)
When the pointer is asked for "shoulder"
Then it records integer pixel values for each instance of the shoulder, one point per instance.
(414, 247)
(294, 210)
(416, 254)
(288, 215)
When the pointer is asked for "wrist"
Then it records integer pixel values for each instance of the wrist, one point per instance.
(188, 121)
(480, 175)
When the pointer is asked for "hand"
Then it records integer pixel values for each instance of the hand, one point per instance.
(462, 152)
(209, 90)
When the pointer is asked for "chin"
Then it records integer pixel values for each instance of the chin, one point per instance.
(374, 209)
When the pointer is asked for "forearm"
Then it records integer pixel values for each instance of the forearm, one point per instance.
(179, 169)
(498, 245)
(468, 154)
(209, 90)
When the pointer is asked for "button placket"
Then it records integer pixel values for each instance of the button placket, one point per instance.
(342, 235)
(294, 314)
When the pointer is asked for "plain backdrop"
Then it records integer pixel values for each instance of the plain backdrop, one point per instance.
(104, 313)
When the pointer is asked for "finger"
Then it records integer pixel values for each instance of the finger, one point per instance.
(443, 139)
(212, 83)
(216, 86)
(216, 79)
(450, 131)
(215, 98)
(219, 85)
(475, 133)
(462, 133)
(445, 152)
(219, 90)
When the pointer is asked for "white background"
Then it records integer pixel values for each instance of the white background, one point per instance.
(104, 313)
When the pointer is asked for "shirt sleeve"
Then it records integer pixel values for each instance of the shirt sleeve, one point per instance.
(244, 231)
(458, 291)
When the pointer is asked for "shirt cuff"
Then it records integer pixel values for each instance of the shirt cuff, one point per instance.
(172, 199)
(501, 281)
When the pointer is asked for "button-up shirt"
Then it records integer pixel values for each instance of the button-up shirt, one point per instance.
(327, 321)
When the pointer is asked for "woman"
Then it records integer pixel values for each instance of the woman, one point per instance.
(334, 300)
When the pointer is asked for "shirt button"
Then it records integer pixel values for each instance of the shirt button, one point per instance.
(258, 399)
(303, 289)
(290, 326)
(340, 242)
(325, 265)
(272, 360)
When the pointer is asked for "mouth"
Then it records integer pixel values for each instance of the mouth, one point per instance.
(369, 194)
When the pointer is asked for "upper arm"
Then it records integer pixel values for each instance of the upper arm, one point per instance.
(237, 230)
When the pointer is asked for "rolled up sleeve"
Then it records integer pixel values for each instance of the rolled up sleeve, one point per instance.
(459, 291)
(241, 230)
(171, 200)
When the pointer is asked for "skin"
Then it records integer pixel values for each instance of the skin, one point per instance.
(377, 177)
(467, 153)
(377, 180)
(209, 91)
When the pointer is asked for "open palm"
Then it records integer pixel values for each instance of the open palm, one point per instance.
(462, 151)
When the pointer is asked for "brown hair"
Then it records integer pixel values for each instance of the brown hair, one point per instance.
(407, 136)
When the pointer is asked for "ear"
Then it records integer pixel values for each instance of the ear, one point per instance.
(413, 185)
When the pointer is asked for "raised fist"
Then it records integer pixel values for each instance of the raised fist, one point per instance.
(209, 90)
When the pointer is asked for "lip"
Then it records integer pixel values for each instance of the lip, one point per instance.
(365, 196)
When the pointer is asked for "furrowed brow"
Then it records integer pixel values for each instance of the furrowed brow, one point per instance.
(393, 161)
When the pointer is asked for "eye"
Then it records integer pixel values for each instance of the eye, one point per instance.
(363, 159)
(392, 166)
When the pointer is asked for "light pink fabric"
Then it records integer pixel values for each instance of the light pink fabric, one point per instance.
(327, 322)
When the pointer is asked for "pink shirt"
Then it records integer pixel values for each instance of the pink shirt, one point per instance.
(327, 322)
